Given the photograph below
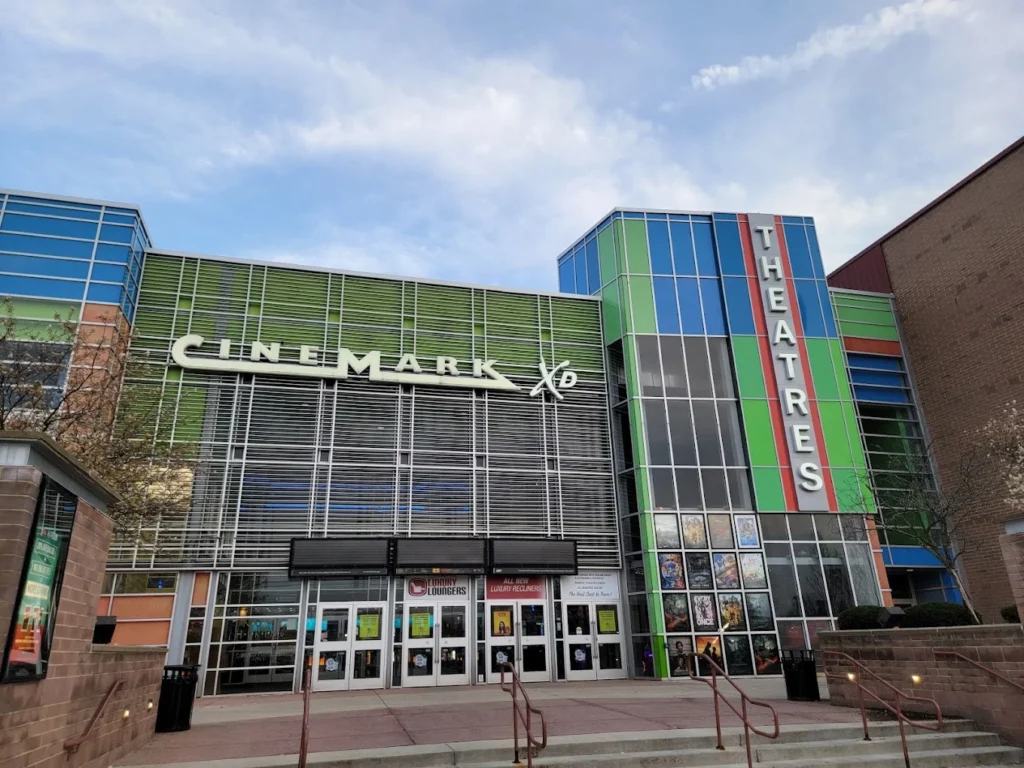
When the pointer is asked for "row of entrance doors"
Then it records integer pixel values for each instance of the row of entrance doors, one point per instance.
(437, 643)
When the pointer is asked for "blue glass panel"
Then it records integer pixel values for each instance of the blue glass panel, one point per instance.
(878, 362)
(737, 302)
(47, 246)
(34, 265)
(911, 557)
(665, 305)
(682, 248)
(812, 240)
(810, 308)
(581, 271)
(118, 253)
(707, 265)
(689, 305)
(593, 267)
(17, 222)
(111, 294)
(799, 254)
(115, 233)
(657, 217)
(730, 251)
(109, 273)
(567, 276)
(125, 211)
(714, 312)
(826, 306)
(725, 217)
(661, 250)
(632, 215)
(678, 217)
(51, 201)
(793, 220)
(71, 213)
(879, 394)
(43, 287)
(115, 219)
(882, 378)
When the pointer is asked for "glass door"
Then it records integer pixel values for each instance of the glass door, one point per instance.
(453, 668)
(332, 646)
(367, 650)
(501, 639)
(579, 642)
(419, 648)
(609, 642)
(533, 643)
(436, 645)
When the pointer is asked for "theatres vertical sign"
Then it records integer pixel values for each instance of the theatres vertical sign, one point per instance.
(777, 303)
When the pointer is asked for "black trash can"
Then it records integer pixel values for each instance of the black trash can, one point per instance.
(801, 676)
(177, 694)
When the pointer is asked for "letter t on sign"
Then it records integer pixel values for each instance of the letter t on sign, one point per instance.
(766, 236)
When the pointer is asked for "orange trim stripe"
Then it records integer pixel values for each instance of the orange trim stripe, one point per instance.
(771, 386)
(805, 363)
(873, 346)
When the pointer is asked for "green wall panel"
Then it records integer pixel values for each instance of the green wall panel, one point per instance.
(863, 315)
(866, 331)
(839, 366)
(612, 308)
(746, 357)
(822, 370)
(641, 300)
(606, 256)
(636, 248)
(757, 426)
(837, 439)
(768, 489)
(619, 235)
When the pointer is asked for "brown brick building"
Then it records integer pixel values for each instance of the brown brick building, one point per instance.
(956, 272)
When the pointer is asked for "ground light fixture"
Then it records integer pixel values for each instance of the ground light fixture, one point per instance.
(916, 679)
(851, 677)
(149, 705)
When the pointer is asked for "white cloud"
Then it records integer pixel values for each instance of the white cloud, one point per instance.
(875, 31)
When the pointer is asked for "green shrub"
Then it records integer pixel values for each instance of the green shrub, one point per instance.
(861, 617)
(938, 615)
(1010, 614)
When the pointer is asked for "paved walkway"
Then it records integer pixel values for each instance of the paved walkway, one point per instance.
(254, 726)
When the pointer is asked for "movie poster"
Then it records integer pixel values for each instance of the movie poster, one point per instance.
(698, 567)
(678, 648)
(752, 568)
(709, 645)
(721, 531)
(31, 619)
(666, 531)
(501, 622)
(730, 608)
(677, 613)
(694, 535)
(727, 574)
(737, 655)
(759, 612)
(705, 617)
(746, 531)
(766, 655)
(671, 567)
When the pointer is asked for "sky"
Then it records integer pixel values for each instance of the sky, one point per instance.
(475, 140)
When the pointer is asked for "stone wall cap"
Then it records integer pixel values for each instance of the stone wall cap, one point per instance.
(61, 458)
(987, 628)
(133, 649)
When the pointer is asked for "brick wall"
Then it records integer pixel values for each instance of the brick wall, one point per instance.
(1012, 545)
(19, 489)
(961, 689)
(958, 278)
(37, 717)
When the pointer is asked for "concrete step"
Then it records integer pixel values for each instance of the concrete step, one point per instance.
(943, 758)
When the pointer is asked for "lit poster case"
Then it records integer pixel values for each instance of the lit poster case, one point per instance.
(325, 557)
(534, 557)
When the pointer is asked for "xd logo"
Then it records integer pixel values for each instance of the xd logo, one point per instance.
(566, 381)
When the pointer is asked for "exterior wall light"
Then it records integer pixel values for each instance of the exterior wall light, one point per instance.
(916, 679)
(125, 715)
(850, 676)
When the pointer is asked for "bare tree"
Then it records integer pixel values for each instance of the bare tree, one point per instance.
(67, 379)
(900, 492)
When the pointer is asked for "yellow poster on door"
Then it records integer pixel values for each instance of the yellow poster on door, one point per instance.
(501, 622)
(369, 626)
(607, 621)
(419, 624)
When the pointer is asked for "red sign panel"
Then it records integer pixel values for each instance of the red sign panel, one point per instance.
(515, 587)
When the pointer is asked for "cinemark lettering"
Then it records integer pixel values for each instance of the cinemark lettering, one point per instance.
(804, 457)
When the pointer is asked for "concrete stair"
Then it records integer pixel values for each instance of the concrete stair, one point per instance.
(824, 745)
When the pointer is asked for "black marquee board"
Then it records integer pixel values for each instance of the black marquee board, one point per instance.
(312, 558)
(534, 557)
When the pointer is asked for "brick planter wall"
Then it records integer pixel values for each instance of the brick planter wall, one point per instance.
(36, 718)
(1012, 545)
(961, 689)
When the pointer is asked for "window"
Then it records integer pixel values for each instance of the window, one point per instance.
(682, 248)
(15, 222)
(650, 366)
(707, 265)
(730, 251)
(660, 248)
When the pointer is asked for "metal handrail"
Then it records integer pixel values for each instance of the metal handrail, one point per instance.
(748, 727)
(72, 744)
(304, 737)
(897, 710)
(981, 666)
(518, 714)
